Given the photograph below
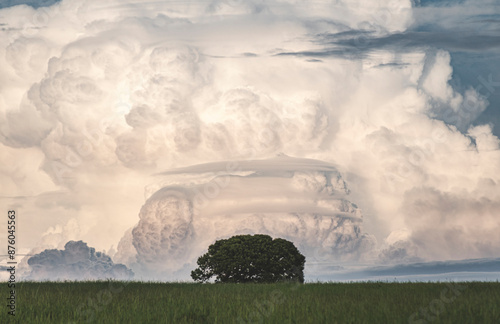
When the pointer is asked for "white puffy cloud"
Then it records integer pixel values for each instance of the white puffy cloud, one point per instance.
(442, 226)
(97, 99)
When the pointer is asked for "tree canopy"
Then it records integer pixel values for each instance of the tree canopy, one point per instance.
(251, 258)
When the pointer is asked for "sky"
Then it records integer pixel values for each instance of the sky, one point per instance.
(366, 132)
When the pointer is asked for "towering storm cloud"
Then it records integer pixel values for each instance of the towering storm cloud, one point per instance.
(301, 200)
(398, 99)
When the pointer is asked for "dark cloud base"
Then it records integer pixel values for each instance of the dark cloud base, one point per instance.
(459, 270)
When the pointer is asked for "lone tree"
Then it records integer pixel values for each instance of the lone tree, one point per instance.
(251, 258)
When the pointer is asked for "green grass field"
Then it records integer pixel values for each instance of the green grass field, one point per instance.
(139, 302)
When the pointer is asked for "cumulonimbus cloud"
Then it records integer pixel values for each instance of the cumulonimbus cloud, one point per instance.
(97, 99)
(302, 200)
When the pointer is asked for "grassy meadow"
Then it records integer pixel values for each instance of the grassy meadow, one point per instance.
(140, 302)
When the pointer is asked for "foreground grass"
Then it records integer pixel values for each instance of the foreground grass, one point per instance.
(139, 302)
